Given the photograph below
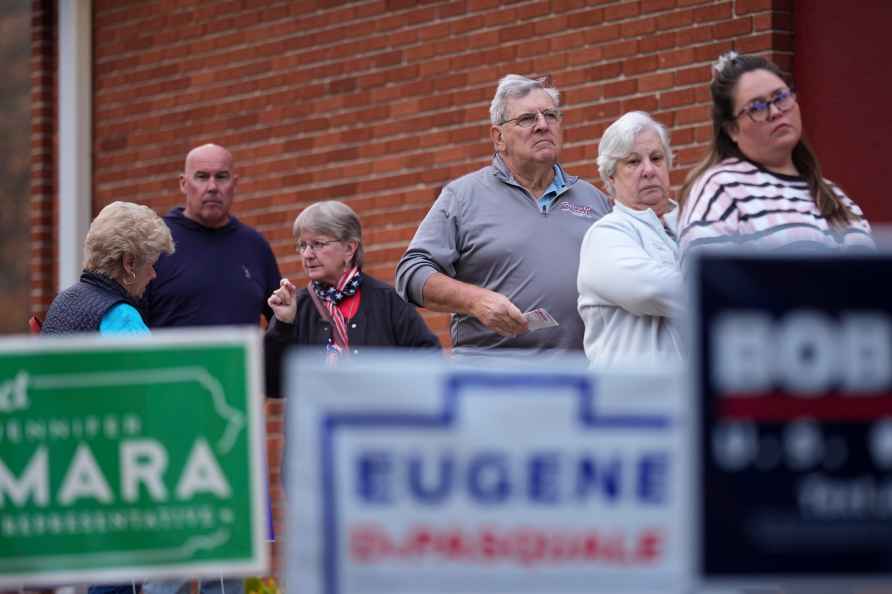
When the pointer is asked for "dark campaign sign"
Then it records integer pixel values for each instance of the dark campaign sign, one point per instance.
(794, 374)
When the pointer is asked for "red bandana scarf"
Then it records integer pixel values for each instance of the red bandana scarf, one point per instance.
(330, 297)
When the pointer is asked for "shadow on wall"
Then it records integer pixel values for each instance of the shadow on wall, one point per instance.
(15, 165)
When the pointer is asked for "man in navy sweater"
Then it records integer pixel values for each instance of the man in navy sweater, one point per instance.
(222, 273)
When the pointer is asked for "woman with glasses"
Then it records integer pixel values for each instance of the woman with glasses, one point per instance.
(629, 283)
(761, 183)
(342, 309)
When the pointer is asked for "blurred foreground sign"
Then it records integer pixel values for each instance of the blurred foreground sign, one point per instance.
(794, 378)
(408, 475)
(131, 458)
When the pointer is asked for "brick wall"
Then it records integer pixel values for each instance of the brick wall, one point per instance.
(377, 103)
(43, 153)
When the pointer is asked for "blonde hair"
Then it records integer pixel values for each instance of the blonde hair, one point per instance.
(124, 228)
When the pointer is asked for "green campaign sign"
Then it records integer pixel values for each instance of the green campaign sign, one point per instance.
(131, 458)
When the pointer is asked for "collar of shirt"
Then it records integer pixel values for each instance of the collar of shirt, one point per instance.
(557, 184)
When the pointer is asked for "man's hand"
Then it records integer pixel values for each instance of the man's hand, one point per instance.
(283, 301)
(496, 312)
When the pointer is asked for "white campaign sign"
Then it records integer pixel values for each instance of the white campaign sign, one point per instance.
(412, 475)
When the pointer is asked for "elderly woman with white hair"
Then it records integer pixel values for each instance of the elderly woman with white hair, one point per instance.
(629, 282)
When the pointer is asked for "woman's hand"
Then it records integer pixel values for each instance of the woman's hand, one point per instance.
(283, 301)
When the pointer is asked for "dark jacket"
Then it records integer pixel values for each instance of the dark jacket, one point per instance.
(81, 307)
(383, 320)
(215, 277)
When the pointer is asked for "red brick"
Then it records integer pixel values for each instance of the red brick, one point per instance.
(674, 59)
(713, 12)
(640, 65)
(673, 99)
(646, 103)
(620, 88)
(585, 94)
(516, 33)
(638, 27)
(602, 33)
(653, 82)
(566, 41)
(733, 28)
(710, 53)
(675, 19)
(550, 63)
(585, 56)
(548, 26)
(621, 11)
(620, 49)
(692, 115)
(648, 6)
(750, 6)
(655, 43)
(754, 43)
(587, 18)
(533, 10)
(603, 72)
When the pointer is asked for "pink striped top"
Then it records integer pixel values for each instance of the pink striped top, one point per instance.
(737, 202)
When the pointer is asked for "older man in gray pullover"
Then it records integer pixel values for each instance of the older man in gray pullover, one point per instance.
(504, 241)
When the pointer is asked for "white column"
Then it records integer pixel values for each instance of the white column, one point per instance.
(75, 109)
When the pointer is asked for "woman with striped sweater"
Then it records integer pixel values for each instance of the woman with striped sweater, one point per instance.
(761, 183)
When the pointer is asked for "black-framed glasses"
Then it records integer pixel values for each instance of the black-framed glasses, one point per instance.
(528, 120)
(314, 245)
(758, 110)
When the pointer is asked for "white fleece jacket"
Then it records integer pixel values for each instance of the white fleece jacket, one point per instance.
(630, 288)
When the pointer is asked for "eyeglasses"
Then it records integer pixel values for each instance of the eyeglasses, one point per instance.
(314, 245)
(528, 120)
(758, 110)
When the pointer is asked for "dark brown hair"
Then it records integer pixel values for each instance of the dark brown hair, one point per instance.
(725, 77)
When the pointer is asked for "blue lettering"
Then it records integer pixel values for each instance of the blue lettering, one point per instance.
(592, 477)
(488, 478)
(442, 485)
(374, 473)
(653, 477)
(543, 477)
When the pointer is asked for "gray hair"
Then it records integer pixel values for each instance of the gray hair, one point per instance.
(515, 86)
(124, 228)
(331, 218)
(617, 140)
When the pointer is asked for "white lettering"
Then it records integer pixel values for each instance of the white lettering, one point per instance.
(807, 359)
(806, 353)
(143, 461)
(14, 393)
(34, 482)
(202, 473)
(867, 352)
(84, 479)
(740, 349)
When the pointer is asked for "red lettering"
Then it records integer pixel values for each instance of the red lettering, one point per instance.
(527, 546)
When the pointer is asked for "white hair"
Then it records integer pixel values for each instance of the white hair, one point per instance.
(515, 86)
(618, 139)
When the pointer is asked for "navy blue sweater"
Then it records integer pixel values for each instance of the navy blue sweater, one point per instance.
(215, 277)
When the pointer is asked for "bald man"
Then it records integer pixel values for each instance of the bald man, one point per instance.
(222, 274)
(223, 271)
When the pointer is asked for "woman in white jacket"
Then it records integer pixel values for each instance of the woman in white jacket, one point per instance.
(629, 281)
